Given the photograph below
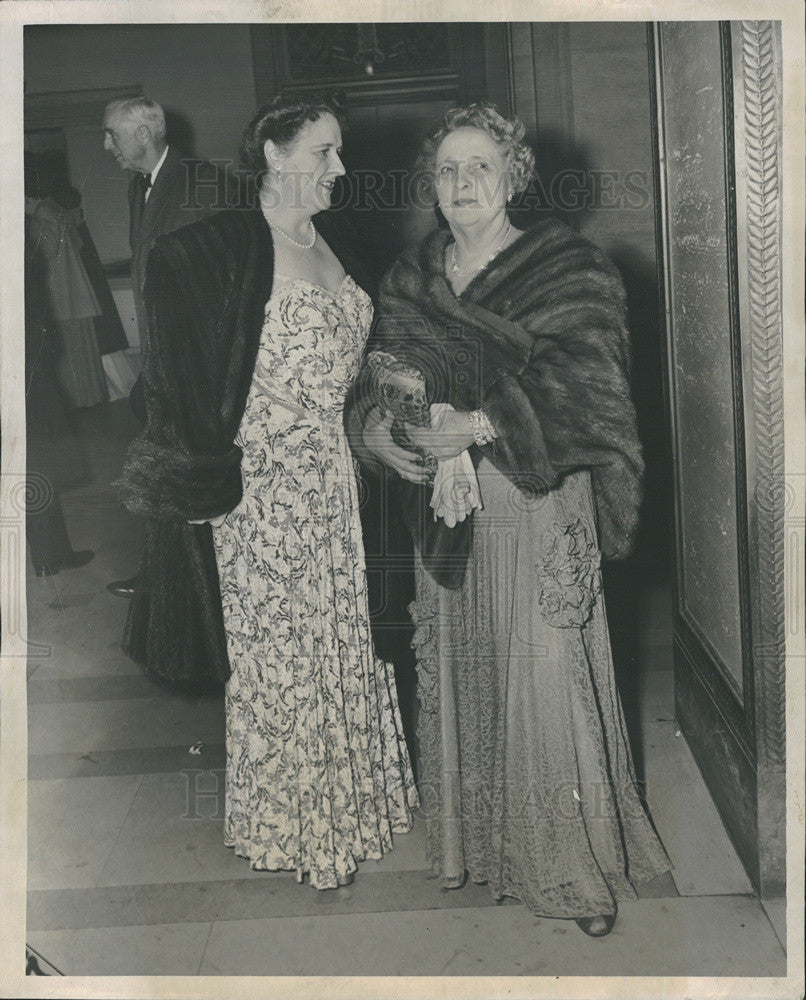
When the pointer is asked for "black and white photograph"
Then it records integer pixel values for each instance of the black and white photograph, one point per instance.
(402, 500)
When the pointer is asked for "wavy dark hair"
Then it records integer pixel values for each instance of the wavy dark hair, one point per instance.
(281, 120)
(506, 133)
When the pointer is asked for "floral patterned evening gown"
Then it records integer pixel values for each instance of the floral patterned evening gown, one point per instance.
(318, 776)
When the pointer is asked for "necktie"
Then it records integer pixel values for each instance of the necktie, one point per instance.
(145, 185)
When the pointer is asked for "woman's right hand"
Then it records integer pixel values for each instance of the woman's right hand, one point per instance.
(377, 435)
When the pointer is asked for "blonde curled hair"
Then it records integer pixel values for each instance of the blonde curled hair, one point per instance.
(507, 133)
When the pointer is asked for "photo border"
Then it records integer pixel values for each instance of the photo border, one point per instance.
(13, 705)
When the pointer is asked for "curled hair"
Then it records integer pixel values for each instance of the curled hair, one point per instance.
(506, 133)
(281, 120)
(143, 111)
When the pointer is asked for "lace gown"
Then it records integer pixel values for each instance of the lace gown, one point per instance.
(526, 774)
(318, 776)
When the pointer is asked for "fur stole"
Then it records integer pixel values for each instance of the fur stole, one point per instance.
(555, 383)
(206, 288)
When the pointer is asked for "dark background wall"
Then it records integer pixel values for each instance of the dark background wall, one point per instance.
(202, 74)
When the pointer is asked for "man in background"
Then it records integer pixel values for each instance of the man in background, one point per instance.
(166, 192)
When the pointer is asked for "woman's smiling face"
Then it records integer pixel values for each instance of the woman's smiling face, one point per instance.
(471, 177)
(312, 163)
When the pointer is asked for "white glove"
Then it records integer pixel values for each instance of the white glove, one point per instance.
(456, 487)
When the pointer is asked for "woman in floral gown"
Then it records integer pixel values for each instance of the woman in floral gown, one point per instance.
(318, 776)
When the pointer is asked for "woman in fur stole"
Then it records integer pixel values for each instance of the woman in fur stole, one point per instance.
(254, 560)
(527, 781)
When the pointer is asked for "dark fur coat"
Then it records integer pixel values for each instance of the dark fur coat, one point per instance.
(206, 289)
(554, 380)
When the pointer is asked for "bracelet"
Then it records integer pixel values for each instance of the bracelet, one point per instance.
(481, 428)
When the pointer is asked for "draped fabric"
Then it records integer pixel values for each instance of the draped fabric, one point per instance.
(206, 288)
(553, 376)
(526, 776)
(74, 305)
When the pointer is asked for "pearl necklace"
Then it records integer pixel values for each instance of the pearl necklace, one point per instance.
(472, 270)
(284, 234)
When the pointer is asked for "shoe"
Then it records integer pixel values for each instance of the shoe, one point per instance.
(74, 560)
(123, 588)
(599, 926)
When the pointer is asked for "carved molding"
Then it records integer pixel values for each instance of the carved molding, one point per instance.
(741, 749)
(762, 150)
(698, 203)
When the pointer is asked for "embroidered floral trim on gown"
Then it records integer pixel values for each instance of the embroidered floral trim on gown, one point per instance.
(318, 776)
(526, 775)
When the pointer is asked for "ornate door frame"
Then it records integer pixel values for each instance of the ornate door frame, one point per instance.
(732, 714)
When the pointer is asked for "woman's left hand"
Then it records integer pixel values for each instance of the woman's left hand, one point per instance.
(449, 438)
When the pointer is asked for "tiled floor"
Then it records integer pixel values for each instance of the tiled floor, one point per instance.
(715, 935)
(128, 874)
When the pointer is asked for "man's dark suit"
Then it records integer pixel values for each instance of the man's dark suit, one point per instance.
(170, 205)
(174, 201)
